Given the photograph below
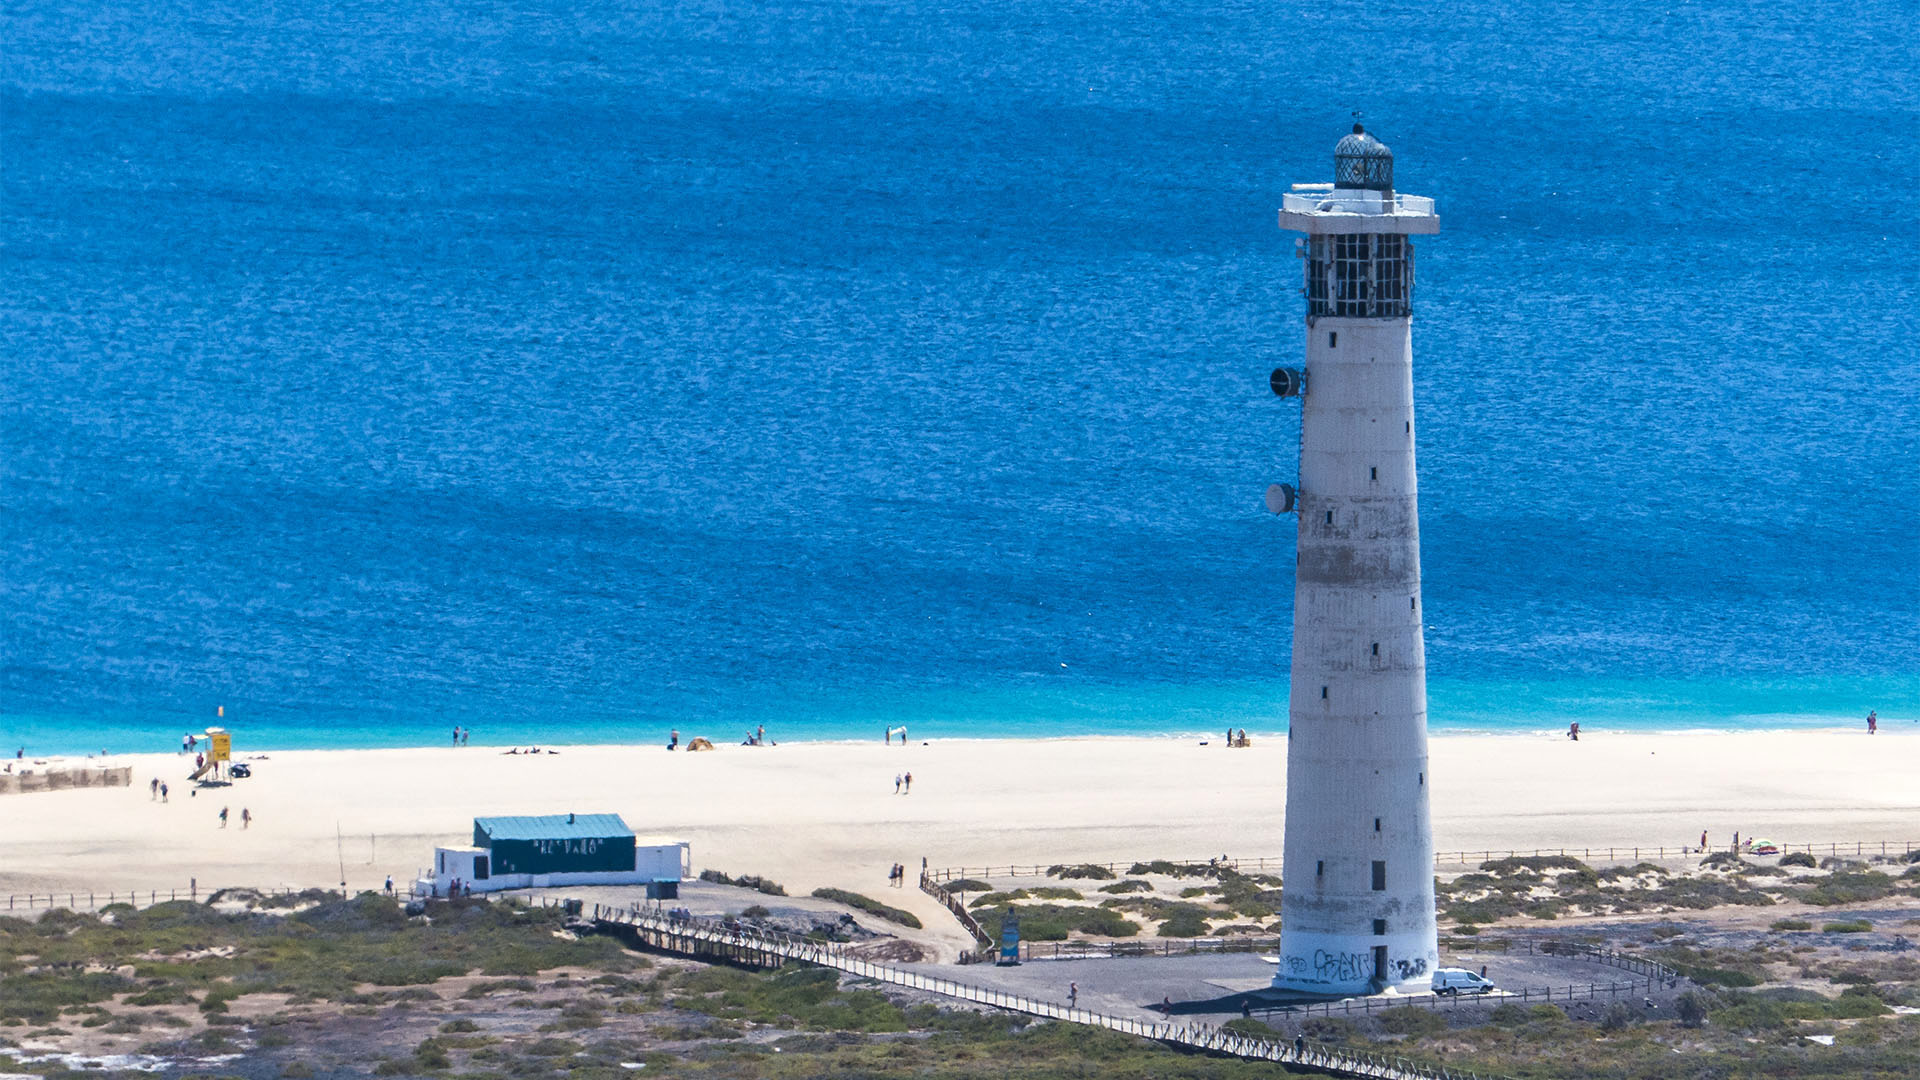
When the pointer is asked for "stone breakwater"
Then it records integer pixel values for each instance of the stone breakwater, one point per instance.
(61, 777)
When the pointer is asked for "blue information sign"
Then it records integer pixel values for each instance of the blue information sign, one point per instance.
(1010, 938)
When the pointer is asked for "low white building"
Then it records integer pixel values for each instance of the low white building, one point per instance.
(557, 849)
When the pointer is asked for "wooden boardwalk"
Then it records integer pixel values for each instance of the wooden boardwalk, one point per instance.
(765, 948)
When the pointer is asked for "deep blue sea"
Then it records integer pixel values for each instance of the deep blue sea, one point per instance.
(573, 371)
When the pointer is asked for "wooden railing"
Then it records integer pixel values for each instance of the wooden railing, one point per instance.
(701, 937)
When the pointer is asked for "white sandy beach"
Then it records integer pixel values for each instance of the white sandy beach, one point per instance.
(811, 814)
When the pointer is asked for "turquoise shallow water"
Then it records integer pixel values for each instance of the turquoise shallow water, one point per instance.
(1065, 708)
(573, 372)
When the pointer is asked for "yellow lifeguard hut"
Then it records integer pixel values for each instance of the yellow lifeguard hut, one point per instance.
(219, 752)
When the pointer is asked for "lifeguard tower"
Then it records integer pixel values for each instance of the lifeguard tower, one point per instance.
(219, 753)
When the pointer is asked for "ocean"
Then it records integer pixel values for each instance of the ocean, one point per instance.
(573, 372)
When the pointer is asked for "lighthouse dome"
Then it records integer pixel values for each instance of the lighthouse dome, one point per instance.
(1362, 161)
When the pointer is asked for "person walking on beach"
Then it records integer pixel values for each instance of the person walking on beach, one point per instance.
(163, 792)
(673, 739)
(1873, 721)
(1703, 841)
(153, 789)
(896, 783)
(223, 817)
(889, 736)
(909, 786)
(246, 817)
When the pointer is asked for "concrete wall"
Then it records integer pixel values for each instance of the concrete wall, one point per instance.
(1357, 742)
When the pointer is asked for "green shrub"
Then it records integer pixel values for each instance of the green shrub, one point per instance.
(744, 881)
(1184, 921)
(967, 884)
(1054, 893)
(1798, 858)
(1509, 1014)
(1849, 887)
(1413, 1020)
(430, 1054)
(1328, 1029)
(1535, 864)
(1692, 1007)
(1792, 924)
(1054, 922)
(1618, 1017)
(1128, 886)
(870, 906)
(296, 1070)
(1546, 1014)
(1852, 926)
(1085, 871)
(755, 911)
(460, 1025)
(999, 899)
(1170, 869)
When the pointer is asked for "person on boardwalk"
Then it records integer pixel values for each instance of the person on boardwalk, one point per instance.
(908, 789)
(1873, 721)
(1166, 1005)
(1299, 1047)
(389, 884)
(246, 817)
(1073, 995)
(223, 817)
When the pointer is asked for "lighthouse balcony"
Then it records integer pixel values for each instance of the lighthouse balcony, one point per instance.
(1324, 209)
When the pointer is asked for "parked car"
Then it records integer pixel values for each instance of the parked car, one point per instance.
(1460, 981)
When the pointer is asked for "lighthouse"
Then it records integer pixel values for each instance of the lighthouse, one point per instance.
(1357, 913)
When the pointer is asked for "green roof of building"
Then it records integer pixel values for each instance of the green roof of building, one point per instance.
(552, 827)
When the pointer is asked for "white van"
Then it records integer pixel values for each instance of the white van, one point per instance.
(1460, 981)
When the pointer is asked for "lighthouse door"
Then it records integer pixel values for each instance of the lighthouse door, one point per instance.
(1380, 965)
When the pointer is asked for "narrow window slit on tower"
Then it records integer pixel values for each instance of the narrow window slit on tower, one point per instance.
(1333, 339)
(1379, 876)
(1376, 648)
(1373, 472)
(1320, 868)
(1323, 693)
(1376, 824)
(1329, 517)
(1379, 928)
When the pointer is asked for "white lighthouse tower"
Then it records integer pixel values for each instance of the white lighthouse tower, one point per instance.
(1357, 913)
